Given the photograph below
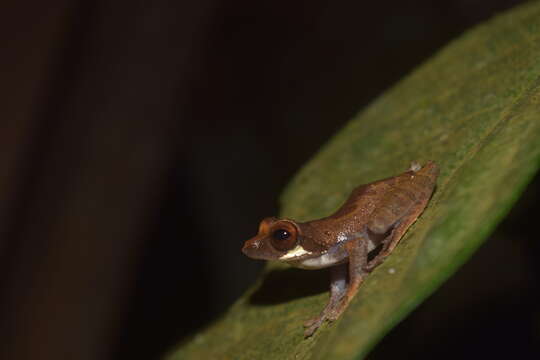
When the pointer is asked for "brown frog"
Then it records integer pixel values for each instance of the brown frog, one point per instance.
(372, 220)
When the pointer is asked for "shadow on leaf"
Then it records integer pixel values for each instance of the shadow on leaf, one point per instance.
(282, 285)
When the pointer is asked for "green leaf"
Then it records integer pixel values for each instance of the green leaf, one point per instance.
(474, 109)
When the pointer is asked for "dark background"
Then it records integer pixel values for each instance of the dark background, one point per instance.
(142, 142)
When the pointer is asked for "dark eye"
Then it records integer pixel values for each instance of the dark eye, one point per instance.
(281, 234)
(283, 240)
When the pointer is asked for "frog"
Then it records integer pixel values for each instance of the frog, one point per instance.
(352, 241)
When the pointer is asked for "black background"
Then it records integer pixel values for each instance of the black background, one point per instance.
(213, 105)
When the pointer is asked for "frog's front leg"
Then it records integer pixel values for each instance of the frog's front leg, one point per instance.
(357, 249)
(338, 287)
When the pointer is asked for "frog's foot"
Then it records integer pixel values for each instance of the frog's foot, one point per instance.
(335, 307)
(313, 324)
(313, 321)
(336, 312)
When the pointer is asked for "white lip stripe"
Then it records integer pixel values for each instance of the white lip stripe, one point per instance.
(296, 252)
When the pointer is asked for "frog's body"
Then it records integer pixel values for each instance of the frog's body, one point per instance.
(376, 215)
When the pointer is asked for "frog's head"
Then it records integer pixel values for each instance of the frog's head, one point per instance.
(278, 239)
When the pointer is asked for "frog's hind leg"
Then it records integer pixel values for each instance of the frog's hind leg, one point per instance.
(338, 287)
(399, 229)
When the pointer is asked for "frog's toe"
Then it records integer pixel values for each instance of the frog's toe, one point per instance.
(310, 322)
(310, 330)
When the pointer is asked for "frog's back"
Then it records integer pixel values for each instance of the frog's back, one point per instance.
(380, 203)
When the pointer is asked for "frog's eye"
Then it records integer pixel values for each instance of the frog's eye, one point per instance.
(284, 238)
(281, 234)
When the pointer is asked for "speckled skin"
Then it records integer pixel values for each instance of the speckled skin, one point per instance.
(376, 215)
(375, 206)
